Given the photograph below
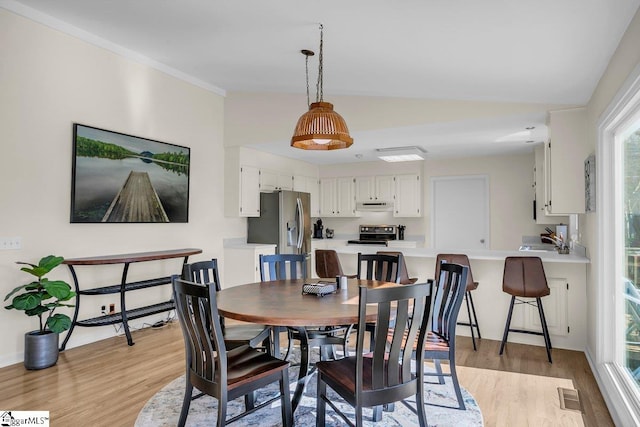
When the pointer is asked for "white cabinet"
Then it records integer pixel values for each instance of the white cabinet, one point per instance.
(337, 197)
(408, 196)
(273, 180)
(309, 185)
(345, 197)
(374, 188)
(328, 197)
(555, 307)
(241, 263)
(542, 216)
(564, 161)
(249, 191)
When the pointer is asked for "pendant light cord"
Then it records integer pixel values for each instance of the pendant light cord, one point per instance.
(319, 90)
(306, 66)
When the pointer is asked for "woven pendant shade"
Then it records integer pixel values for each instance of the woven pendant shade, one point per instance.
(321, 128)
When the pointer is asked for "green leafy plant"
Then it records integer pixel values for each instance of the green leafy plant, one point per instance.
(42, 297)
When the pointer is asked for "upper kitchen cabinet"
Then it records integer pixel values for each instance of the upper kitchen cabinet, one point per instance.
(249, 191)
(247, 172)
(309, 184)
(541, 215)
(408, 196)
(274, 180)
(337, 197)
(374, 188)
(241, 187)
(564, 157)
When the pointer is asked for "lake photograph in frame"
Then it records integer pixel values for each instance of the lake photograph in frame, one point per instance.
(123, 178)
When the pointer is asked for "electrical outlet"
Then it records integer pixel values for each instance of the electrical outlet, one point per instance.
(10, 243)
(112, 308)
(103, 309)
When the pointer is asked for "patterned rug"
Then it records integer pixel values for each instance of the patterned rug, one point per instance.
(163, 409)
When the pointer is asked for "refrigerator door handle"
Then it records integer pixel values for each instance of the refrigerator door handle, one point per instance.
(300, 210)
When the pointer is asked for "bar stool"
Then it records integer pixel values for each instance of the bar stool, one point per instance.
(328, 264)
(524, 277)
(462, 259)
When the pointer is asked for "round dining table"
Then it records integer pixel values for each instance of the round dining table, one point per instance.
(282, 303)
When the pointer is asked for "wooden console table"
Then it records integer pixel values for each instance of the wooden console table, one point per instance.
(123, 287)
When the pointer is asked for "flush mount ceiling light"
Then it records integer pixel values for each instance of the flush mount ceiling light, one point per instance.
(401, 154)
(320, 128)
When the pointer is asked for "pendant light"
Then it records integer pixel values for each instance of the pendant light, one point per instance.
(320, 128)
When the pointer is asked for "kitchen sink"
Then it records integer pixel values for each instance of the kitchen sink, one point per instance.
(538, 248)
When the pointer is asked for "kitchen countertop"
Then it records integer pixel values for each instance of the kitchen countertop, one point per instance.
(476, 254)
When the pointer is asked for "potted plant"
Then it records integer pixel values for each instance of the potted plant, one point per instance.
(41, 298)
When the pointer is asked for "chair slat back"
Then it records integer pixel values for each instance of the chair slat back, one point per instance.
(401, 323)
(450, 288)
(202, 272)
(282, 267)
(382, 267)
(206, 355)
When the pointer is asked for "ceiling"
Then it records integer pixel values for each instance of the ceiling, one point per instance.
(525, 51)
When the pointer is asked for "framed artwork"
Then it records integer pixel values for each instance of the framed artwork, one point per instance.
(590, 184)
(123, 178)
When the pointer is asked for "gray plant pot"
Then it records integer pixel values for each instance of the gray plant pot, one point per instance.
(40, 350)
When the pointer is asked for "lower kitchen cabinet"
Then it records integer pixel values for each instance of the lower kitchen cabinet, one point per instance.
(241, 262)
(555, 305)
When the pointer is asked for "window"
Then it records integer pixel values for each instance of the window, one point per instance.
(628, 216)
(617, 299)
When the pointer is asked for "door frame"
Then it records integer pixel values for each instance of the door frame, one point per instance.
(485, 178)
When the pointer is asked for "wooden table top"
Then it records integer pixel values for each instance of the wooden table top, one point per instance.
(281, 303)
(133, 257)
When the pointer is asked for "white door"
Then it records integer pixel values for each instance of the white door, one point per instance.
(460, 212)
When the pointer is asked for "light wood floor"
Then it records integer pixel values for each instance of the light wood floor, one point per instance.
(107, 383)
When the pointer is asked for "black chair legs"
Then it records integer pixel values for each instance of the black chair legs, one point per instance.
(543, 322)
(507, 326)
(473, 319)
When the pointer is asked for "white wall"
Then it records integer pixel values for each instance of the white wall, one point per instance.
(50, 80)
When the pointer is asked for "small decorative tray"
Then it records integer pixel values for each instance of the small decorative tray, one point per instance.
(319, 289)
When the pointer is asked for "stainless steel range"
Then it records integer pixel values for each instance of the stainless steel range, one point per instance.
(375, 235)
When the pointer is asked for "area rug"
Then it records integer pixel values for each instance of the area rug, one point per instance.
(163, 409)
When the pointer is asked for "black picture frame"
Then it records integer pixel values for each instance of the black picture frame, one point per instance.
(121, 178)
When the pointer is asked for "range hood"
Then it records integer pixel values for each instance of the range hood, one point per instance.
(374, 206)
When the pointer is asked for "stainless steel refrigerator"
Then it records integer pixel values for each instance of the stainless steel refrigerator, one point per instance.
(285, 220)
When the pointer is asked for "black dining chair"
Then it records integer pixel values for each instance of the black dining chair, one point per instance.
(385, 374)
(282, 267)
(382, 267)
(404, 274)
(214, 370)
(237, 334)
(472, 285)
(291, 266)
(450, 287)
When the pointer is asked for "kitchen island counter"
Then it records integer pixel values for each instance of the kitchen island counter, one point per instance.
(564, 307)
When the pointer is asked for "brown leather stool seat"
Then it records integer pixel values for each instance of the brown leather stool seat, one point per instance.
(328, 264)
(524, 278)
(462, 259)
